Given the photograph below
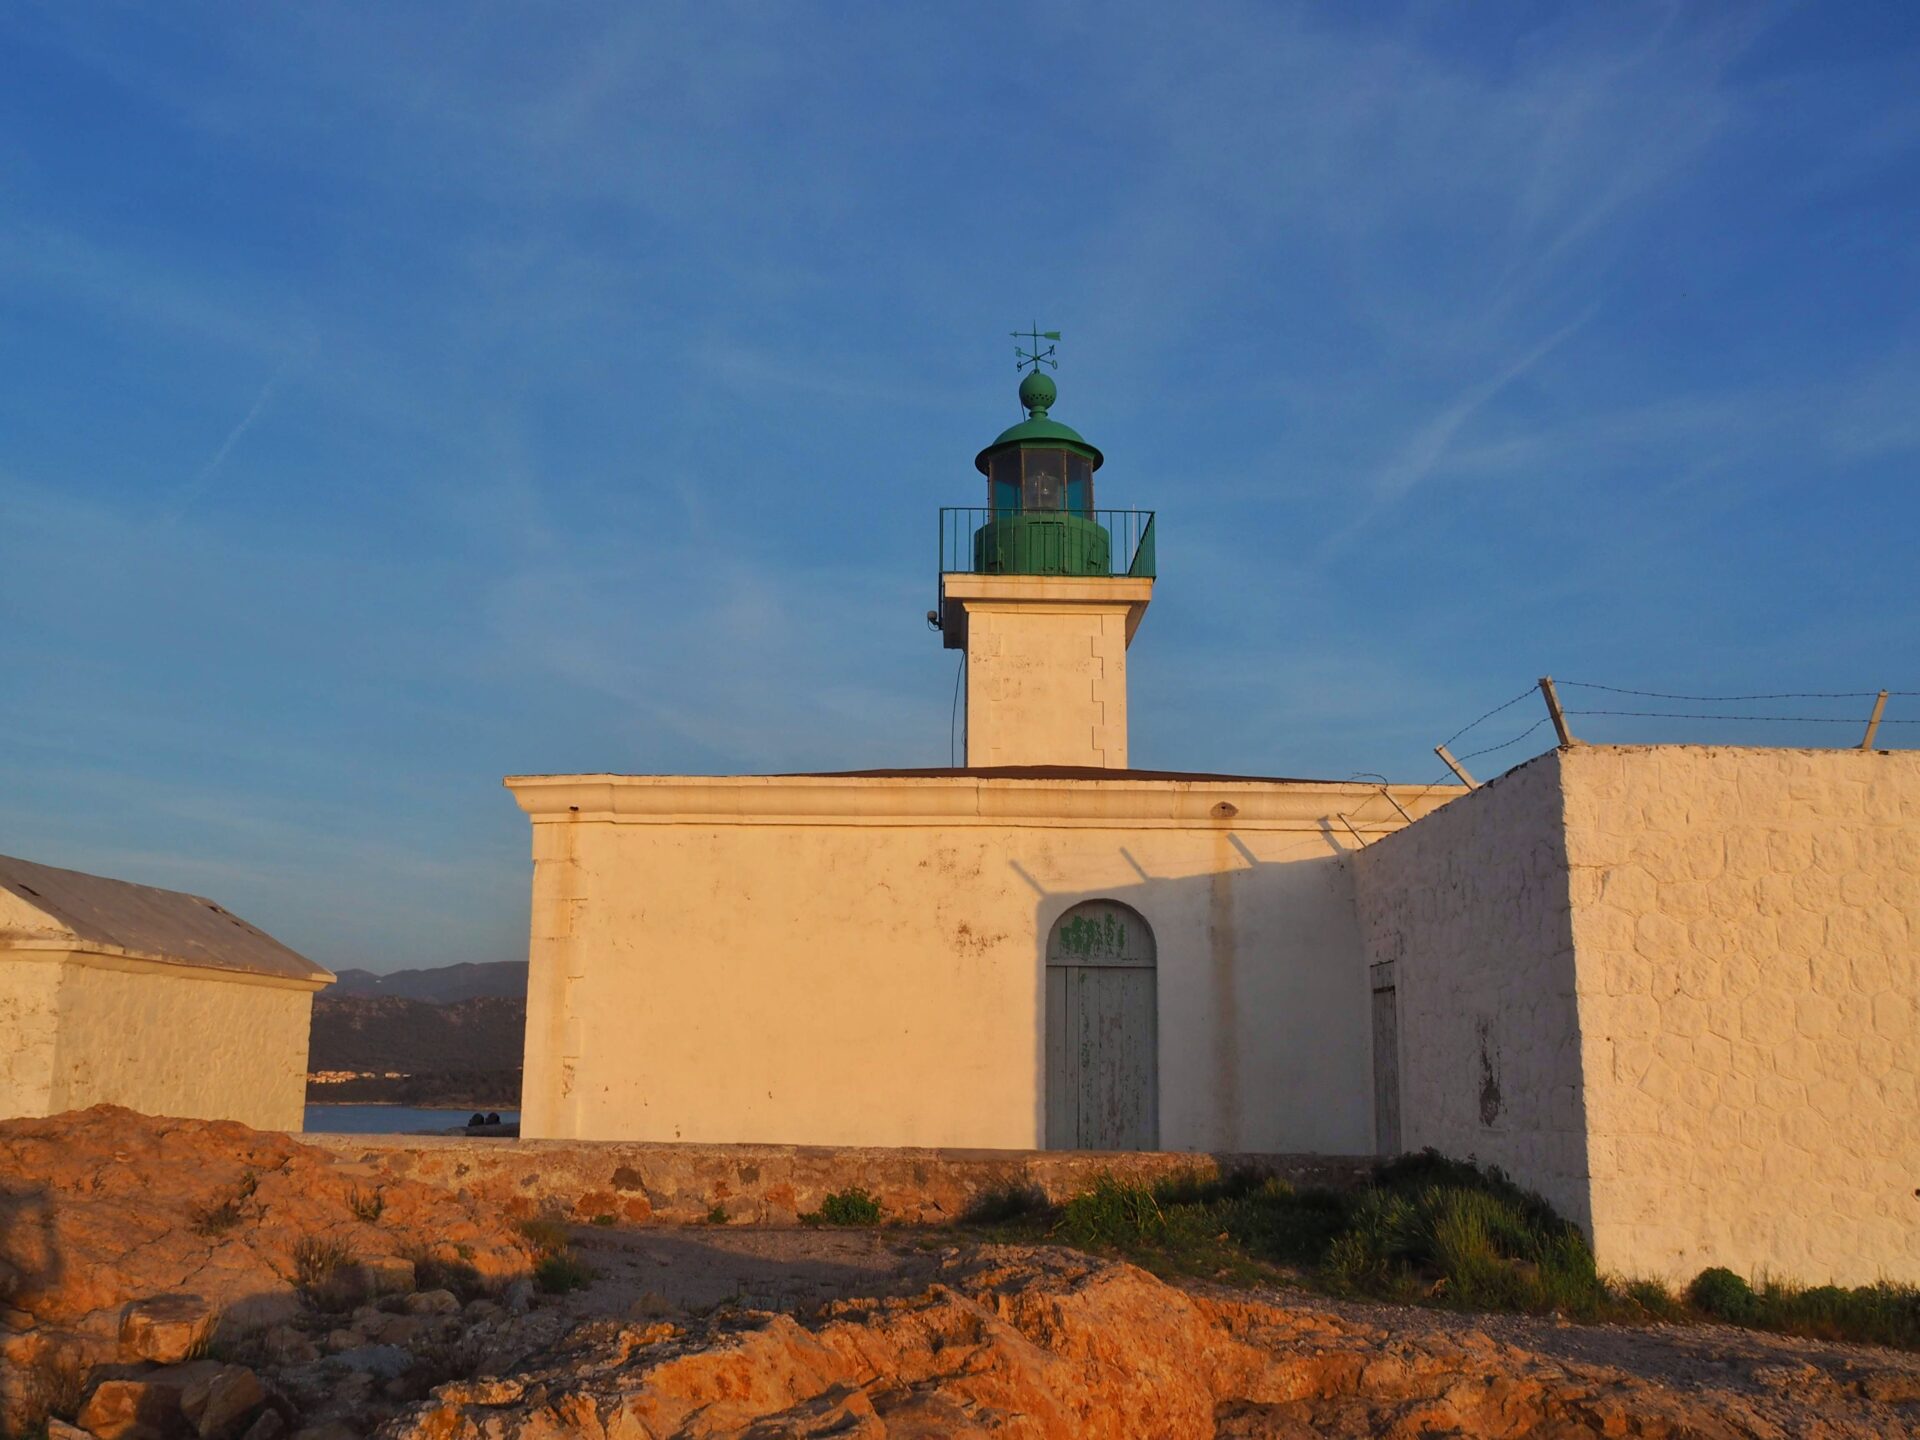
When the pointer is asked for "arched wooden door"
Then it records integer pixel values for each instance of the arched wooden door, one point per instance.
(1103, 1078)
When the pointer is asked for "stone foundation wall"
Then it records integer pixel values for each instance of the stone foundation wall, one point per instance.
(641, 1183)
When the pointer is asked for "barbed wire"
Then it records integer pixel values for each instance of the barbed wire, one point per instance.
(1530, 690)
(1785, 719)
(1730, 699)
(1664, 714)
(1474, 754)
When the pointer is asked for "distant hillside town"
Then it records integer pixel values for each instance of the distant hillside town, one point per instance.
(451, 1035)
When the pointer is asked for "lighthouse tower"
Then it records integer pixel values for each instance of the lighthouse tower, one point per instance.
(1043, 591)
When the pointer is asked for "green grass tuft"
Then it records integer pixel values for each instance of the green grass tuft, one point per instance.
(846, 1207)
(1432, 1230)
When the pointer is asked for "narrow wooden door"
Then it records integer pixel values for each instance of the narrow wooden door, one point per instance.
(1386, 1061)
(1103, 1088)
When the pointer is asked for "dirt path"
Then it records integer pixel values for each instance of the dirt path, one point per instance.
(691, 1270)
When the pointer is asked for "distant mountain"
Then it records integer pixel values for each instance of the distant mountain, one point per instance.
(398, 1049)
(392, 1032)
(442, 985)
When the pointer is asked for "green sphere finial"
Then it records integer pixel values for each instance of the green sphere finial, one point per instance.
(1037, 393)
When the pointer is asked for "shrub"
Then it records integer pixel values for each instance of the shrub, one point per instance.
(718, 1215)
(603, 1220)
(846, 1207)
(1718, 1292)
(217, 1219)
(318, 1266)
(1277, 1223)
(1007, 1203)
(544, 1235)
(367, 1206)
(1882, 1314)
(558, 1273)
(1654, 1300)
(52, 1387)
(223, 1215)
(432, 1271)
(1444, 1228)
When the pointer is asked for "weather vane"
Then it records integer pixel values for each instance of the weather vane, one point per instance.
(1031, 353)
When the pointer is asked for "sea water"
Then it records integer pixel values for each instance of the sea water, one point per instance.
(389, 1119)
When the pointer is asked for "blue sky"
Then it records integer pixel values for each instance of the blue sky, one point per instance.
(397, 397)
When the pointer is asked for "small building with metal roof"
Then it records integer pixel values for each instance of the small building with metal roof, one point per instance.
(166, 1003)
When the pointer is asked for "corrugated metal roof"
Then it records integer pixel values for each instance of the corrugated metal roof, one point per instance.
(188, 929)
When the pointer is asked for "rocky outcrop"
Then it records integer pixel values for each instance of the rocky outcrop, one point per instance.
(1056, 1346)
(126, 1239)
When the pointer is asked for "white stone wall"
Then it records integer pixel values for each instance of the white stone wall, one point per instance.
(1046, 685)
(29, 1028)
(1691, 975)
(723, 968)
(1471, 908)
(172, 1040)
(1745, 922)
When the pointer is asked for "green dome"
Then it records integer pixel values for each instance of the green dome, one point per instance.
(1038, 431)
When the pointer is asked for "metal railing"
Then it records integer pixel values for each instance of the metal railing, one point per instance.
(979, 540)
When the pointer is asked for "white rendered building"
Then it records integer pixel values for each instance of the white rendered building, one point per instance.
(121, 994)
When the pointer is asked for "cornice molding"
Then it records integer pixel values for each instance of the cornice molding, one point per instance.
(917, 801)
(68, 951)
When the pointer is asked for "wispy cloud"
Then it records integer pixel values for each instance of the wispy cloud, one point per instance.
(1430, 444)
(579, 394)
(203, 480)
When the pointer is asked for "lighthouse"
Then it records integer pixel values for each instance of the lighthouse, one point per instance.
(1043, 591)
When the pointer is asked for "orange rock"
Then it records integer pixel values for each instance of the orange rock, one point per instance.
(1037, 1344)
(108, 1219)
(166, 1328)
(146, 1407)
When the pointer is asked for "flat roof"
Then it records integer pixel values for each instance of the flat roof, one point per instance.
(1049, 772)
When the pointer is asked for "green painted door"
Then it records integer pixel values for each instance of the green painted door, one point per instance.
(1102, 1031)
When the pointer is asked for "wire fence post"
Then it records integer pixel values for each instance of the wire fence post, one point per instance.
(1873, 721)
(1558, 716)
(1456, 767)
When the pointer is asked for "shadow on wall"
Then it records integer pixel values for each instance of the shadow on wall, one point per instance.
(1466, 923)
(1240, 1025)
(30, 1265)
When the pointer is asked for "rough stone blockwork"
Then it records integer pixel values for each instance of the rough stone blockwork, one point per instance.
(1673, 988)
(1744, 922)
(637, 1183)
